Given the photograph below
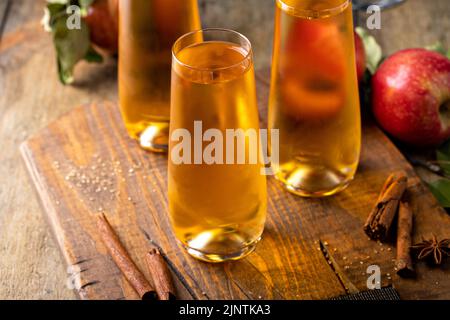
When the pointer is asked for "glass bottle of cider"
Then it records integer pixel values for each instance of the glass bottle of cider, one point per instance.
(314, 101)
(147, 31)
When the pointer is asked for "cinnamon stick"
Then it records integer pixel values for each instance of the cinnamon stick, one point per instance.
(161, 275)
(380, 219)
(123, 260)
(404, 263)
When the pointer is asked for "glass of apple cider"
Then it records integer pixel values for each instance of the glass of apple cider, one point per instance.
(217, 205)
(147, 31)
(314, 98)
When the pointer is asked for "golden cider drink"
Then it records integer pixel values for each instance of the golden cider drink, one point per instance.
(147, 31)
(217, 209)
(314, 98)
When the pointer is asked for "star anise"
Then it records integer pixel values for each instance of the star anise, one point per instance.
(433, 248)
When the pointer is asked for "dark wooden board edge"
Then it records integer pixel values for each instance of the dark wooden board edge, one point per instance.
(46, 204)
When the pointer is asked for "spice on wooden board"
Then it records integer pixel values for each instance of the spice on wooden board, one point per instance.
(436, 250)
(380, 219)
(404, 263)
(123, 260)
(162, 278)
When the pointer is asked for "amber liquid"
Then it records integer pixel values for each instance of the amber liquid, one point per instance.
(314, 98)
(147, 31)
(218, 210)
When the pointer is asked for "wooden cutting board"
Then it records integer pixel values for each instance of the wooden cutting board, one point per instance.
(84, 163)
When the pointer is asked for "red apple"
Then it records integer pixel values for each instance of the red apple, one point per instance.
(411, 97)
(360, 57)
(103, 24)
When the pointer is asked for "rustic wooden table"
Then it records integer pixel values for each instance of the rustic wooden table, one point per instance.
(31, 97)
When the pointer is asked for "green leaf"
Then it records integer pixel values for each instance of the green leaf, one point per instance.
(439, 48)
(374, 54)
(93, 56)
(55, 9)
(72, 45)
(63, 2)
(85, 3)
(443, 157)
(84, 6)
(441, 190)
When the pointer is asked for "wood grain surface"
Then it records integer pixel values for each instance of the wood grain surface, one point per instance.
(414, 24)
(31, 97)
(5, 6)
(84, 163)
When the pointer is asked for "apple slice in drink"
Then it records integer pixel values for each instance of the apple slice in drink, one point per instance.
(313, 71)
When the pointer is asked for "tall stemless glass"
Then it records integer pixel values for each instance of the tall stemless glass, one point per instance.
(314, 99)
(147, 31)
(217, 206)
